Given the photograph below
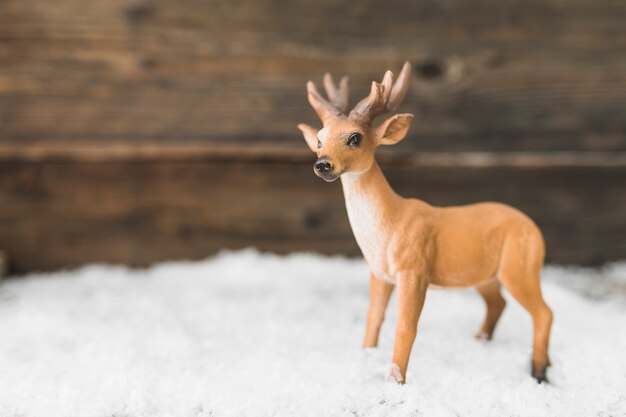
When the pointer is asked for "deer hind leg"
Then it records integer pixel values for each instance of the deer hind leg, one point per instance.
(380, 292)
(520, 268)
(495, 303)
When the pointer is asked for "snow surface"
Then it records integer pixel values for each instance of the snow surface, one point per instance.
(249, 334)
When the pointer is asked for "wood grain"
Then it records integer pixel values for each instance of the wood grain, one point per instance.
(61, 214)
(133, 131)
(3, 265)
(489, 75)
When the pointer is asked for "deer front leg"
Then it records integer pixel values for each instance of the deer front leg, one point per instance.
(411, 295)
(380, 292)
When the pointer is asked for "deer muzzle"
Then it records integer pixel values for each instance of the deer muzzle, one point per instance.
(324, 169)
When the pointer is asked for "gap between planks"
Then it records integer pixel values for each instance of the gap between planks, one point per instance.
(112, 153)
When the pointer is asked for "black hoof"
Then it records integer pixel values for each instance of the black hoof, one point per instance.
(541, 376)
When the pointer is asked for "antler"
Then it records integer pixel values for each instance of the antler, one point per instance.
(337, 96)
(338, 104)
(384, 97)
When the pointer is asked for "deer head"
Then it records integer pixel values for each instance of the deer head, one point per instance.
(347, 141)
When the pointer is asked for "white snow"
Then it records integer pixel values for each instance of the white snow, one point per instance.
(249, 334)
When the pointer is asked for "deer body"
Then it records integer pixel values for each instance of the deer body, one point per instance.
(460, 246)
(411, 245)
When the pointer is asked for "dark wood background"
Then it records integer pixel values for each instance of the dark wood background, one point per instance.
(133, 131)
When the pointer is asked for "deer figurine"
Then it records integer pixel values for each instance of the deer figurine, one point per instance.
(412, 245)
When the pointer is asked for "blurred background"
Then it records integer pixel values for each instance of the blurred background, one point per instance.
(136, 131)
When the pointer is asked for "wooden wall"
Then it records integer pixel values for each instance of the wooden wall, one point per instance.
(134, 131)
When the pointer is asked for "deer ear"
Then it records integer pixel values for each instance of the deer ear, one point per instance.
(394, 129)
(310, 135)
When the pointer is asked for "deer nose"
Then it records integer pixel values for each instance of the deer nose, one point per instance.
(323, 166)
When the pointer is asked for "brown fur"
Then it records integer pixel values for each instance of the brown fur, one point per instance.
(412, 245)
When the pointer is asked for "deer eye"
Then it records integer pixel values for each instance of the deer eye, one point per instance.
(319, 144)
(354, 139)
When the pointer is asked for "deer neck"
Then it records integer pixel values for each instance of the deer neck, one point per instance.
(370, 202)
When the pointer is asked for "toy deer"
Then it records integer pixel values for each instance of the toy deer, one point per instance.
(412, 245)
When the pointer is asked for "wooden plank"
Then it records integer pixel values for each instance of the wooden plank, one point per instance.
(4, 267)
(490, 76)
(67, 213)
